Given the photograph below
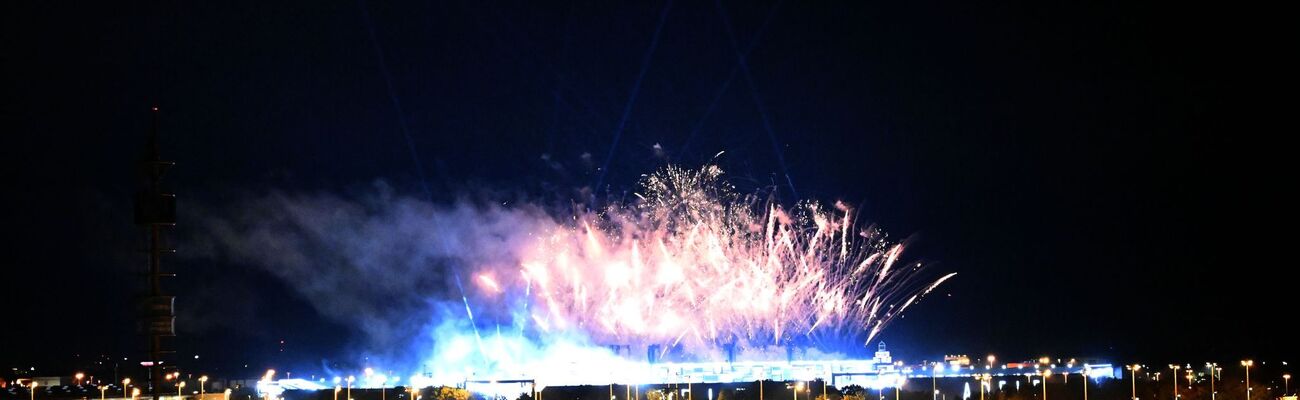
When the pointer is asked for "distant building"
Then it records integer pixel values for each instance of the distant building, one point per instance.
(957, 360)
(882, 355)
(48, 381)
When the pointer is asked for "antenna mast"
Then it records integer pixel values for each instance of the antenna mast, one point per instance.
(154, 211)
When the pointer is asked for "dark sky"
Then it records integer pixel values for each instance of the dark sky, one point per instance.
(1099, 174)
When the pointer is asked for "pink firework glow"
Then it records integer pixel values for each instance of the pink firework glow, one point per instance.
(691, 263)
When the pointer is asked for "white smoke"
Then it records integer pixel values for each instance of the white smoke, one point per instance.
(459, 289)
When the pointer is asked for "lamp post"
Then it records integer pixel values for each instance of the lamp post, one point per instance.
(1134, 374)
(226, 394)
(934, 384)
(77, 378)
(125, 382)
(797, 388)
(270, 373)
(179, 386)
(202, 380)
(32, 388)
(1211, 367)
(1046, 373)
(102, 389)
(984, 380)
(1217, 374)
(350, 379)
(1175, 378)
(760, 389)
(1286, 384)
(1086, 371)
(135, 392)
(336, 392)
(1247, 364)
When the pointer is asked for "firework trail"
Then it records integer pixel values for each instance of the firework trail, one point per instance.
(487, 290)
(694, 265)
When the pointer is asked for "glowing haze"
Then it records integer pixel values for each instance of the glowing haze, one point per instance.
(685, 271)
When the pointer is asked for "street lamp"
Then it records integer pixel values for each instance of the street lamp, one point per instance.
(179, 386)
(1247, 364)
(1286, 385)
(1175, 377)
(226, 394)
(1134, 375)
(125, 383)
(797, 388)
(1212, 367)
(270, 373)
(101, 391)
(32, 387)
(350, 379)
(202, 380)
(135, 392)
(1046, 373)
(934, 377)
(336, 391)
(1086, 371)
(984, 380)
(77, 378)
(1218, 371)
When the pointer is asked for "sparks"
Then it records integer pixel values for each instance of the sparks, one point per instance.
(747, 272)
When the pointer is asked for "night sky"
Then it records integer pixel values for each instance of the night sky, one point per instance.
(1100, 175)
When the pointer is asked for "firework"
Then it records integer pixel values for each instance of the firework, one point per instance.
(688, 272)
(693, 265)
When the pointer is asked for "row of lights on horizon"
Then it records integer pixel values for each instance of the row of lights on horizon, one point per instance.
(984, 380)
(135, 391)
(1216, 373)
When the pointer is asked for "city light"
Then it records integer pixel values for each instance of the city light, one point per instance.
(1247, 364)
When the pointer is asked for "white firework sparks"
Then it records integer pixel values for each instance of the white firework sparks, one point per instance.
(694, 265)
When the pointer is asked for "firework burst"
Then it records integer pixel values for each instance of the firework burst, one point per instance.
(694, 265)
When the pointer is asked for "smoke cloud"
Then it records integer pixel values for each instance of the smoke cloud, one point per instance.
(474, 288)
(385, 263)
